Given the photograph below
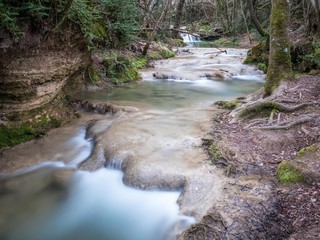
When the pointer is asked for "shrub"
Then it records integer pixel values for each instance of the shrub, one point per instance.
(120, 69)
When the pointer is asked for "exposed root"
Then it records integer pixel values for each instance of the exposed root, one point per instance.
(289, 124)
(212, 226)
(253, 109)
(258, 121)
(271, 117)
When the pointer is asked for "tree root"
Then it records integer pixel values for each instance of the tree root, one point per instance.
(258, 121)
(210, 227)
(289, 124)
(258, 107)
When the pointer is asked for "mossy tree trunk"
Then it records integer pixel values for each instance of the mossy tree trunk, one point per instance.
(280, 68)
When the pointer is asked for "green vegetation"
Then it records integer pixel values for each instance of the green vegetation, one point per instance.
(287, 173)
(215, 153)
(161, 51)
(314, 58)
(263, 110)
(121, 19)
(227, 104)
(226, 42)
(263, 67)
(111, 22)
(258, 54)
(93, 75)
(312, 148)
(18, 133)
(121, 69)
(139, 62)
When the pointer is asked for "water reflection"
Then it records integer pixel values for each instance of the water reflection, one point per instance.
(170, 94)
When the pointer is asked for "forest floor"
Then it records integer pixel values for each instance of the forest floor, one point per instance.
(259, 134)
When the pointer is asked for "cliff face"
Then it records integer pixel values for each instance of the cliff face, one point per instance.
(36, 77)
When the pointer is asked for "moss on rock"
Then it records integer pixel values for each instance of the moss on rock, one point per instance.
(227, 104)
(288, 173)
(312, 148)
(16, 133)
(258, 54)
(160, 51)
(120, 68)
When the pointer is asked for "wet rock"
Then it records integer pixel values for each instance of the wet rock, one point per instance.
(101, 107)
(35, 179)
(164, 76)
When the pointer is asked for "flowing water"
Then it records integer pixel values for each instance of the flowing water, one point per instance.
(157, 146)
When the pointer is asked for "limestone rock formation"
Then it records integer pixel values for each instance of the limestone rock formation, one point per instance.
(34, 79)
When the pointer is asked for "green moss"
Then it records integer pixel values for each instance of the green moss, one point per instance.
(313, 148)
(120, 68)
(280, 68)
(258, 54)
(227, 104)
(10, 136)
(160, 52)
(226, 42)
(263, 67)
(14, 134)
(262, 110)
(287, 173)
(166, 53)
(215, 153)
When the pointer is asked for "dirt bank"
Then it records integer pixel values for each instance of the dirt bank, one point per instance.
(252, 141)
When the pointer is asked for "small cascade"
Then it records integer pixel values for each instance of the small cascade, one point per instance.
(190, 38)
(82, 148)
(116, 162)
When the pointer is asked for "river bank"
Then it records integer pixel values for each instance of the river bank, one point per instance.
(273, 146)
(157, 133)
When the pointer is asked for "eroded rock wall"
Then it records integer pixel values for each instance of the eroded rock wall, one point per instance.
(34, 79)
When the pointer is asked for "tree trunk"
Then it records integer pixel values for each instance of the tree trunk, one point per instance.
(255, 20)
(317, 9)
(156, 27)
(179, 12)
(280, 68)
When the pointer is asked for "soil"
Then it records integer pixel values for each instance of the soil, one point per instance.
(253, 150)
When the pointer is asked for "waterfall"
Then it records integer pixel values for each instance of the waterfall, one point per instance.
(190, 38)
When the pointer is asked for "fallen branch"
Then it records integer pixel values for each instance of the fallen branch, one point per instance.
(221, 51)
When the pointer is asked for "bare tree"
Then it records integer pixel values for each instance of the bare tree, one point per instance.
(255, 20)
(157, 26)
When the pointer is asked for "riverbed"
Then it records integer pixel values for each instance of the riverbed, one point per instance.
(140, 174)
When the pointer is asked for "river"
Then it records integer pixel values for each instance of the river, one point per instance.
(137, 162)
